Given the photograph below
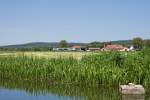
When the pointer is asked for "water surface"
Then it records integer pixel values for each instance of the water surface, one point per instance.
(23, 90)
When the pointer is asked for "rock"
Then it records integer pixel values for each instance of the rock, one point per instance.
(133, 97)
(131, 84)
(132, 89)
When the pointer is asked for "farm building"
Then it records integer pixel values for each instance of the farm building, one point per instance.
(73, 48)
(61, 49)
(94, 49)
(115, 47)
(78, 48)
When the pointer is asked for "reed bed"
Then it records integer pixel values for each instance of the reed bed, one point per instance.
(108, 68)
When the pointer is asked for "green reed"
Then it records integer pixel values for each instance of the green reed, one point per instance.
(109, 68)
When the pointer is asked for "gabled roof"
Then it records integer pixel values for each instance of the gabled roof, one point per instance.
(114, 47)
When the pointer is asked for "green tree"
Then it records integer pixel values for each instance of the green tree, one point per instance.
(138, 43)
(147, 43)
(63, 44)
(96, 44)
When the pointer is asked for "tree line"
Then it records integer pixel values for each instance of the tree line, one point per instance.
(138, 43)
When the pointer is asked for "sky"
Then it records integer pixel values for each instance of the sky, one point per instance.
(24, 21)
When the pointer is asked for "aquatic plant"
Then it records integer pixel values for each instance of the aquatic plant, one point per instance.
(111, 68)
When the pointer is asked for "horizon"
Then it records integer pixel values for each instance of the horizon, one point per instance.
(60, 40)
(67, 41)
(77, 21)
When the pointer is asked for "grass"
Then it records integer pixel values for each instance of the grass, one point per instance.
(77, 55)
(108, 68)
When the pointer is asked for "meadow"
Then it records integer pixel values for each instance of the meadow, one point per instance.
(105, 68)
(76, 55)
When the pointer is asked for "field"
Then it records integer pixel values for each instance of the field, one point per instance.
(108, 68)
(76, 55)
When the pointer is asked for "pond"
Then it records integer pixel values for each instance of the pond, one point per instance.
(24, 90)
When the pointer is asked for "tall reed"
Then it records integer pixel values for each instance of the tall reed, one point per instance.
(109, 68)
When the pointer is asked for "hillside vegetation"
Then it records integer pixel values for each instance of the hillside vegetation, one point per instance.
(47, 46)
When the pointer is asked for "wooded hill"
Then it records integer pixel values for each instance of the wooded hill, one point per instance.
(48, 45)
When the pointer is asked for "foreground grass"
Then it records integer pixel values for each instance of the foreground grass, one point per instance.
(109, 68)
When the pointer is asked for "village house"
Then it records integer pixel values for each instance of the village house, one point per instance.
(110, 47)
(73, 48)
(78, 48)
(114, 47)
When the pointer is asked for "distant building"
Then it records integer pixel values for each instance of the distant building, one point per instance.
(76, 48)
(73, 48)
(94, 49)
(132, 48)
(61, 49)
(114, 47)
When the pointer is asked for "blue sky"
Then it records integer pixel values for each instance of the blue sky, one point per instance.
(23, 21)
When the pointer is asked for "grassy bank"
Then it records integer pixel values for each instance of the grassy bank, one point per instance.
(109, 68)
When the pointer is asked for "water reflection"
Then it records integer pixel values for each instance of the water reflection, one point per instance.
(44, 90)
(73, 92)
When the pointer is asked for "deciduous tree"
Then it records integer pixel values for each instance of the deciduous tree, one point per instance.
(63, 44)
(138, 43)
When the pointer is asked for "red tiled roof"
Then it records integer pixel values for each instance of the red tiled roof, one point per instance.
(114, 47)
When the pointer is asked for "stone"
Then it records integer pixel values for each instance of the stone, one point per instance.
(132, 89)
(133, 97)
